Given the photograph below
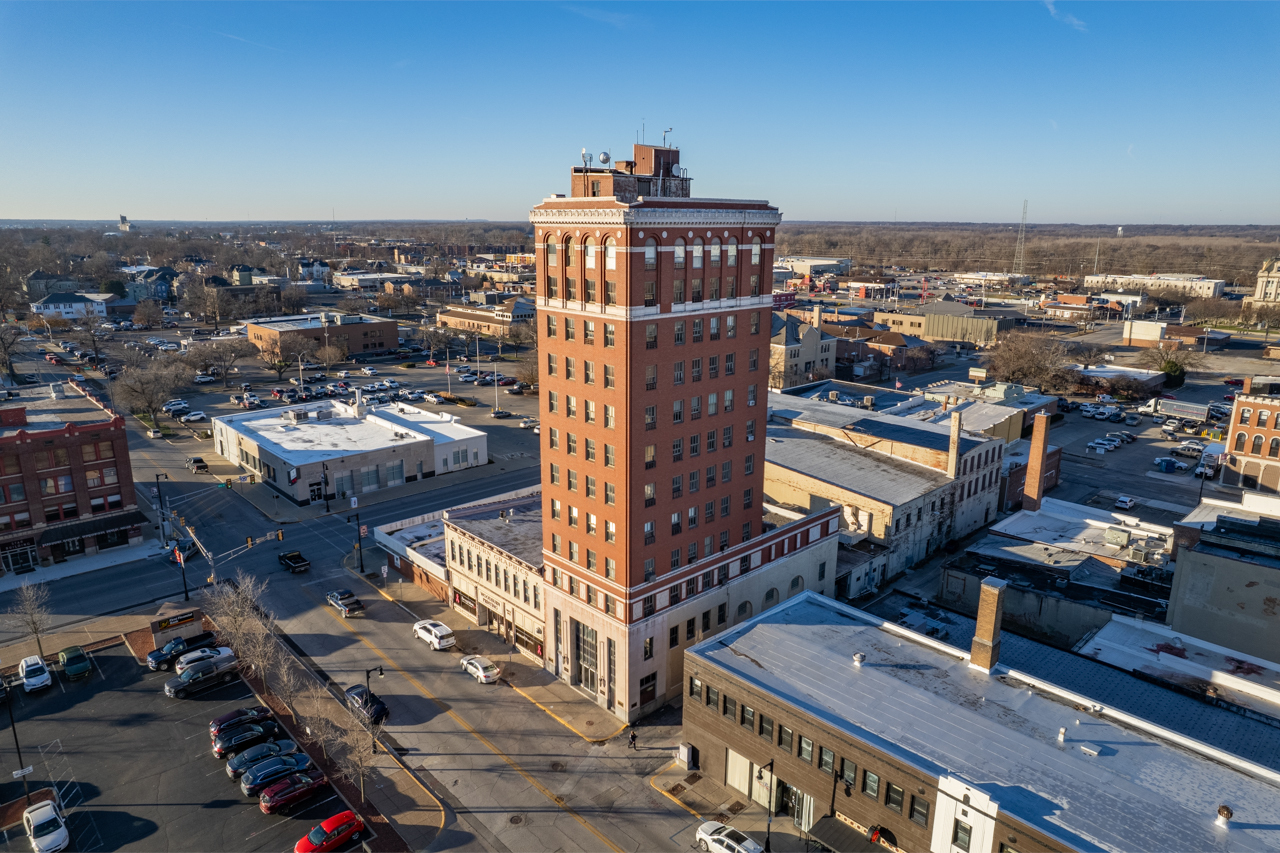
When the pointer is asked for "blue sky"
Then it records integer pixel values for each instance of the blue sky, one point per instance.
(1095, 112)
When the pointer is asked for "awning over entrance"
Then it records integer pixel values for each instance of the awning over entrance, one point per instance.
(837, 835)
(91, 527)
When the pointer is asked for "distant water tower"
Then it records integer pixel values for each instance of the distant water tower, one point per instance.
(1120, 231)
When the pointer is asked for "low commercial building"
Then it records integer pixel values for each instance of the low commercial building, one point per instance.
(367, 282)
(495, 320)
(305, 333)
(798, 265)
(991, 279)
(975, 740)
(66, 484)
(1121, 541)
(1163, 335)
(948, 321)
(1191, 286)
(1151, 380)
(1009, 395)
(333, 451)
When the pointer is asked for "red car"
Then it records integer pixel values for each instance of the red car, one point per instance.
(1230, 398)
(294, 788)
(1236, 382)
(431, 363)
(332, 834)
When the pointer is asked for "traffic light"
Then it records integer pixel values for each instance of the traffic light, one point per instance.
(253, 478)
(280, 535)
(228, 482)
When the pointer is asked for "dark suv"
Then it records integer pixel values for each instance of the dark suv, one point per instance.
(203, 676)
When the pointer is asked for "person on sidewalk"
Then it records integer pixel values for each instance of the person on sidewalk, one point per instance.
(631, 739)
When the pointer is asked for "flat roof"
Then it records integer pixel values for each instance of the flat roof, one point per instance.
(344, 433)
(1076, 527)
(513, 525)
(890, 427)
(313, 321)
(975, 414)
(46, 413)
(846, 466)
(920, 701)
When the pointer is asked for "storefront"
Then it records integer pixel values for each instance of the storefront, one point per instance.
(465, 604)
(19, 556)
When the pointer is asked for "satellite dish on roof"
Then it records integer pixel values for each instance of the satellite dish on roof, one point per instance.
(675, 170)
(603, 158)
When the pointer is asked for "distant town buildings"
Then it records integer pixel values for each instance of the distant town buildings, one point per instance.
(992, 279)
(494, 320)
(948, 321)
(1164, 335)
(799, 352)
(1191, 286)
(355, 333)
(1268, 288)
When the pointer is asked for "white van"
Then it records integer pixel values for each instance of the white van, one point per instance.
(435, 634)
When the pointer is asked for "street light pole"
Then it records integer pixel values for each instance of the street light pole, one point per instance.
(324, 484)
(369, 672)
(359, 549)
(160, 511)
(18, 749)
(768, 830)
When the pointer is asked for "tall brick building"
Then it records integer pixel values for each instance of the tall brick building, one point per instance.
(654, 312)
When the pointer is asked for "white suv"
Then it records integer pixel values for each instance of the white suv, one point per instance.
(435, 634)
(714, 835)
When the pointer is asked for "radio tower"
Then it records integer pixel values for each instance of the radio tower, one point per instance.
(1019, 254)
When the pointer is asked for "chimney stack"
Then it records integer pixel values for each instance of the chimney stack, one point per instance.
(817, 316)
(1033, 487)
(953, 451)
(985, 652)
(1247, 388)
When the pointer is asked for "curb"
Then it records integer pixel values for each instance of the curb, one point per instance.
(652, 784)
(553, 715)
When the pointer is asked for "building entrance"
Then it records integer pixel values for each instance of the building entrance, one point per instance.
(585, 657)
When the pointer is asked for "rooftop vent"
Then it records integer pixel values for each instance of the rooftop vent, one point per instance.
(324, 414)
(1225, 813)
(1091, 749)
(858, 659)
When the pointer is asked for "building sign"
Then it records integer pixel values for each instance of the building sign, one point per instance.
(175, 621)
(490, 602)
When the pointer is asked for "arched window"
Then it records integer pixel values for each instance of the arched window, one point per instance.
(610, 254)
(797, 586)
(589, 247)
(697, 254)
(1240, 442)
(651, 254)
(1274, 452)
(744, 611)
(755, 252)
(1257, 446)
(679, 254)
(715, 252)
(568, 251)
(1263, 417)
(732, 251)
(1245, 414)
(770, 599)
(551, 253)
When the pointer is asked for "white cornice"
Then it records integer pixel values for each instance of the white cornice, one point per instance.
(655, 216)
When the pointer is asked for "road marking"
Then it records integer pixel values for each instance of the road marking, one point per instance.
(667, 794)
(511, 762)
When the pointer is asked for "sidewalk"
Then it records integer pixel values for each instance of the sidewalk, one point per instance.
(708, 800)
(144, 550)
(567, 705)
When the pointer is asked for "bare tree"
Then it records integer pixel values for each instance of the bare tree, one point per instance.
(526, 370)
(278, 359)
(148, 313)
(288, 681)
(293, 298)
(233, 607)
(352, 305)
(523, 334)
(224, 355)
(30, 613)
(322, 727)
(1175, 363)
(330, 355)
(53, 325)
(1030, 358)
(146, 387)
(94, 338)
(9, 337)
(359, 752)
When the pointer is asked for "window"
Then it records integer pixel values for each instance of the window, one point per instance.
(588, 245)
(693, 481)
(697, 290)
(784, 739)
(551, 326)
(650, 456)
(1240, 443)
(697, 331)
(678, 254)
(961, 835)
(572, 480)
(748, 500)
(695, 685)
(677, 485)
(806, 750)
(650, 494)
(713, 289)
(755, 252)
(751, 394)
(589, 373)
(848, 772)
(610, 531)
(755, 285)
(555, 509)
(893, 797)
(649, 537)
(827, 761)
(715, 252)
(694, 444)
(697, 254)
(677, 412)
(748, 718)
(591, 442)
(609, 419)
(766, 728)
(731, 252)
(608, 494)
(570, 329)
(1257, 446)
(679, 333)
(675, 528)
(871, 784)
(751, 431)
(713, 697)
(919, 811)
(730, 708)
(673, 636)
(726, 468)
(677, 373)
(610, 254)
(610, 567)
(589, 411)
(571, 444)
(677, 449)
(714, 330)
(651, 336)
(677, 290)
(555, 474)
(570, 406)
(712, 404)
(610, 336)
(555, 543)
(728, 404)
(553, 402)
(648, 648)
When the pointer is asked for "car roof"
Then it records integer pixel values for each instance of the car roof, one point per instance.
(343, 593)
(28, 661)
(432, 623)
(337, 820)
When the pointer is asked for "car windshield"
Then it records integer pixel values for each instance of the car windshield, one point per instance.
(317, 836)
(75, 658)
(735, 836)
(46, 827)
(490, 668)
(35, 671)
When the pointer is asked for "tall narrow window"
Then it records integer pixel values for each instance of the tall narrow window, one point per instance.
(651, 254)
(610, 254)
(589, 250)
(697, 254)
(678, 254)
(551, 253)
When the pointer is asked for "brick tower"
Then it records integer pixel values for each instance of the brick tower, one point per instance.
(654, 317)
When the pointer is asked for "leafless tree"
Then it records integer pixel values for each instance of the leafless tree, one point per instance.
(523, 334)
(330, 355)
(30, 613)
(293, 298)
(233, 607)
(93, 338)
(1029, 358)
(526, 370)
(322, 726)
(359, 752)
(279, 359)
(9, 337)
(352, 305)
(148, 313)
(1175, 363)
(54, 325)
(146, 387)
(223, 355)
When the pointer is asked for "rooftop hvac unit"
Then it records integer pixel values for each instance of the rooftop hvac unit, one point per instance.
(1116, 536)
(833, 396)
(869, 401)
(299, 415)
(324, 414)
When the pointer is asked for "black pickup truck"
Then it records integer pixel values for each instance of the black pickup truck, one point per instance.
(294, 561)
(163, 659)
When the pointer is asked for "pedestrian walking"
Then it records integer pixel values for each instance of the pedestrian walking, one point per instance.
(631, 741)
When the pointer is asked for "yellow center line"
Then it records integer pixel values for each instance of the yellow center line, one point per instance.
(475, 734)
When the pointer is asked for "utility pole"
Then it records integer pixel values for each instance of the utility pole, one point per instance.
(1019, 254)
(359, 547)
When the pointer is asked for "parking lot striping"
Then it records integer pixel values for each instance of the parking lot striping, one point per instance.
(219, 705)
(511, 762)
(294, 814)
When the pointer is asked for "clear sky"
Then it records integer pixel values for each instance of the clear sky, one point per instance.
(1095, 112)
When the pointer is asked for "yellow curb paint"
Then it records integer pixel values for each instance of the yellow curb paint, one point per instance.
(566, 723)
(511, 762)
(653, 779)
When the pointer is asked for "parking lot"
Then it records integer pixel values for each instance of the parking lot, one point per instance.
(134, 768)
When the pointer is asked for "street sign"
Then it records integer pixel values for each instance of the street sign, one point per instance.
(384, 570)
(353, 503)
(364, 530)
(18, 774)
(244, 478)
(155, 491)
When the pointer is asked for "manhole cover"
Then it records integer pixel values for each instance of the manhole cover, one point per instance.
(557, 766)
(693, 779)
(589, 723)
(676, 789)
(516, 820)
(737, 807)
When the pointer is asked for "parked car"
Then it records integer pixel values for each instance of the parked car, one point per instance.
(241, 738)
(242, 761)
(196, 464)
(1239, 383)
(344, 374)
(1194, 442)
(1158, 419)
(1230, 398)
(434, 398)
(480, 668)
(266, 773)
(435, 634)
(499, 413)
(514, 391)
(283, 794)
(717, 837)
(1121, 436)
(1133, 420)
(203, 676)
(203, 379)
(34, 674)
(331, 834)
(1206, 471)
(163, 658)
(1189, 452)
(192, 417)
(369, 371)
(190, 659)
(75, 663)
(45, 827)
(346, 603)
(238, 717)
(366, 705)
(1124, 502)
(528, 423)
(173, 406)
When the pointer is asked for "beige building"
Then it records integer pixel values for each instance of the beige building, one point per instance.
(1193, 286)
(1268, 289)
(333, 451)
(799, 353)
(357, 334)
(489, 320)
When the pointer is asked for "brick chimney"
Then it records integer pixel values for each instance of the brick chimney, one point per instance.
(14, 417)
(1033, 487)
(1247, 388)
(985, 652)
(953, 451)
(817, 316)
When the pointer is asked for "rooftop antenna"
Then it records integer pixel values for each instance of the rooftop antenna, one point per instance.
(664, 136)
